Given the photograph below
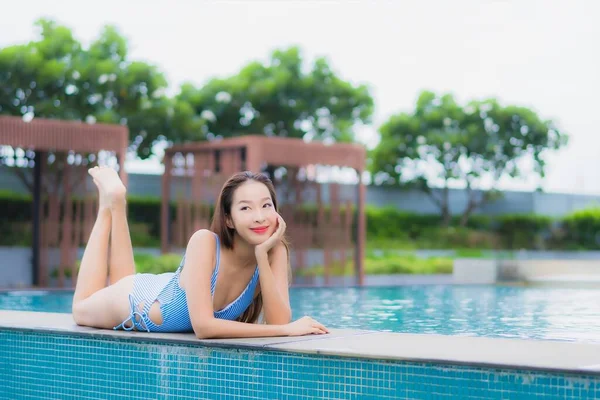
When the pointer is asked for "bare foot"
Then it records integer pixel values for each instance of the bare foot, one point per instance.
(111, 190)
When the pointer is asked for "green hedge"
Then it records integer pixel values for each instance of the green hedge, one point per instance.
(386, 228)
(388, 264)
(581, 229)
(146, 263)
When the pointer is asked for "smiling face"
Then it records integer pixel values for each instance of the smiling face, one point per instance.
(253, 214)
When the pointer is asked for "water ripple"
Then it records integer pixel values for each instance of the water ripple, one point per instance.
(494, 311)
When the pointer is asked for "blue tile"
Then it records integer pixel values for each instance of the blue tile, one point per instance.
(38, 366)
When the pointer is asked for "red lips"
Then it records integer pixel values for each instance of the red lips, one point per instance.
(260, 229)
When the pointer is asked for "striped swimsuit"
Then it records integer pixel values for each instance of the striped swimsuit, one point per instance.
(165, 289)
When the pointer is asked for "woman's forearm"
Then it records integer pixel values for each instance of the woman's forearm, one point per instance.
(275, 309)
(220, 329)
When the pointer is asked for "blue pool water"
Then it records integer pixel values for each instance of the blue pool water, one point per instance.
(571, 314)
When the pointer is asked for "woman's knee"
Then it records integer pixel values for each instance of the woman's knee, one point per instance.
(105, 308)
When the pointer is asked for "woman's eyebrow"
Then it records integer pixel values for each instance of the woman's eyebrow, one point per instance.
(248, 201)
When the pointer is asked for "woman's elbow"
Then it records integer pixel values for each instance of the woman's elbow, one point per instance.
(205, 331)
(202, 335)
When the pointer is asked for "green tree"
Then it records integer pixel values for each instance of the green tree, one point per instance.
(281, 98)
(442, 141)
(54, 76)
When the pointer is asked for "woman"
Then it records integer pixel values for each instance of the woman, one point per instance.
(229, 274)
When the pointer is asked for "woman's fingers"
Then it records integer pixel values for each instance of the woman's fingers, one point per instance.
(280, 228)
(281, 220)
(320, 326)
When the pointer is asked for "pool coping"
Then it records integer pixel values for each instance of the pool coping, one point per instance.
(532, 355)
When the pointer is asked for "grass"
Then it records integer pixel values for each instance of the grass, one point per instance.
(437, 238)
(389, 263)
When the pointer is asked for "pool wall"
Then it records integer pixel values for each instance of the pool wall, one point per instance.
(45, 356)
(491, 271)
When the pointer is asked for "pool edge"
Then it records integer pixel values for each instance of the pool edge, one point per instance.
(532, 355)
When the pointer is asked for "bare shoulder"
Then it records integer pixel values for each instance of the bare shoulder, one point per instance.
(200, 252)
(202, 237)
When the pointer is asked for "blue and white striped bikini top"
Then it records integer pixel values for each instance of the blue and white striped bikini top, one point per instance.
(175, 312)
(243, 301)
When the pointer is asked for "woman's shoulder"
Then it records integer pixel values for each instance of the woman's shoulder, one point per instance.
(202, 238)
(202, 234)
(201, 248)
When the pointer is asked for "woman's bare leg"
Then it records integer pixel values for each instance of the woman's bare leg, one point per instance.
(94, 304)
(94, 265)
(121, 262)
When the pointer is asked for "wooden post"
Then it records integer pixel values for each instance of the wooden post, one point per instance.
(66, 224)
(164, 209)
(361, 231)
(39, 276)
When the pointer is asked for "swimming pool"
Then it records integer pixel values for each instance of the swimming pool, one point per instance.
(543, 313)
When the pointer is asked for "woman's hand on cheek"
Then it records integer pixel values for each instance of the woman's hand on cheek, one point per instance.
(268, 244)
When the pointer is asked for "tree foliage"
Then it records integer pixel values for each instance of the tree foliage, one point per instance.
(55, 77)
(442, 141)
(280, 98)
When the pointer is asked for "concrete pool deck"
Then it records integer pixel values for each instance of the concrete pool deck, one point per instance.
(532, 355)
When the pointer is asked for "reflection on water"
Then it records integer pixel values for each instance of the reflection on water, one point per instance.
(537, 313)
(37, 301)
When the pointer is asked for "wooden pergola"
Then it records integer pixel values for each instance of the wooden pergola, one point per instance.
(316, 214)
(64, 204)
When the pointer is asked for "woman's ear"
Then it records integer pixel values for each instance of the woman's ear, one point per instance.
(229, 222)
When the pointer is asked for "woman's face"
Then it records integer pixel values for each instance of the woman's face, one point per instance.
(253, 214)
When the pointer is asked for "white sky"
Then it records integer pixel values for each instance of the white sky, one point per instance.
(544, 54)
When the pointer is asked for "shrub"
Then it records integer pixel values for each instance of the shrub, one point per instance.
(387, 227)
(388, 263)
(147, 263)
(582, 229)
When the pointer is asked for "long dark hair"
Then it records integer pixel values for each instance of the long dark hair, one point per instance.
(226, 234)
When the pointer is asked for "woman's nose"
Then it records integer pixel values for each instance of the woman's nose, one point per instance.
(259, 216)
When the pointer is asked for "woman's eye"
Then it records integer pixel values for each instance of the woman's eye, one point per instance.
(244, 208)
(268, 204)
